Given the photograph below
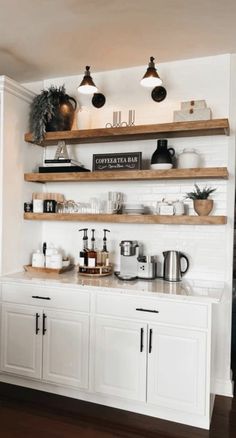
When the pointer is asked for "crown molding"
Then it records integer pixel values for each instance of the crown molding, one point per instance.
(16, 89)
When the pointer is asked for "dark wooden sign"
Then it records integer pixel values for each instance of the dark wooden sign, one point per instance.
(122, 161)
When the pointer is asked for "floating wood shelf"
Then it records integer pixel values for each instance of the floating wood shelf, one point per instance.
(141, 132)
(128, 219)
(198, 173)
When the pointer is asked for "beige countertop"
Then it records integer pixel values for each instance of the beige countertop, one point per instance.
(190, 290)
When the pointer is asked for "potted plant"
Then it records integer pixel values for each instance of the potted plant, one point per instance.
(202, 205)
(51, 110)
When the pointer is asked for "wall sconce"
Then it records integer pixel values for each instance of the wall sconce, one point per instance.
(159, 94)
(151, 78)
(87, 85)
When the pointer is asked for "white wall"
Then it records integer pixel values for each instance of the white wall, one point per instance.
(208, 248)
(17, 157)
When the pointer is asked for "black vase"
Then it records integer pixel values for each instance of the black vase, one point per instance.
(63, 118)
(162, 154)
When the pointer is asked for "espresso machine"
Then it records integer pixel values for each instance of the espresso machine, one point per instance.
(133, 264)
(129, 253)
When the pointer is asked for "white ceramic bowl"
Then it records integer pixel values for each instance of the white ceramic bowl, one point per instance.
(161, 166)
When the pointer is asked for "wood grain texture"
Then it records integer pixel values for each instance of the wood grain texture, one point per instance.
(141, 132)
(27, 413)
(33, 270)
(128, 219)
(129, 175)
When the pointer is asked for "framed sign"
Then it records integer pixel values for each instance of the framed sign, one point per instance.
(122, 161)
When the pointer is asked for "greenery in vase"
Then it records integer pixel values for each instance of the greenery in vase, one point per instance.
(200, 193)
(43, 109)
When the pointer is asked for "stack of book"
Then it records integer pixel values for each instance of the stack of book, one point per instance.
(62, 165)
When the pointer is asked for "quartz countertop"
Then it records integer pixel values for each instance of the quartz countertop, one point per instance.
(190, 290)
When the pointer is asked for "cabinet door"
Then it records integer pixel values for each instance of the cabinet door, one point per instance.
(177, 368)
(66, 348)
(21, 343)
(120, 358)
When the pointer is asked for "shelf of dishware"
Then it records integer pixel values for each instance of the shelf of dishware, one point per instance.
(128, 218)
(136, 175)
(140, 132)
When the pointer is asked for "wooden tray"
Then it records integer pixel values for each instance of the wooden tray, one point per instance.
(30, 268)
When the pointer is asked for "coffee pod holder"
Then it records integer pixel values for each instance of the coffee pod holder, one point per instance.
(96, 271)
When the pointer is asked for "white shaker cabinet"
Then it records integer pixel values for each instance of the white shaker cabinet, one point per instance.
(45, 344)
(65, 348)
(21, 340)
(177, 368)
(120, 358)
(163, 366)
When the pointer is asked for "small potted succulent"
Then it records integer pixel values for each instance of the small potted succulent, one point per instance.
(202, 205)
(51, 110)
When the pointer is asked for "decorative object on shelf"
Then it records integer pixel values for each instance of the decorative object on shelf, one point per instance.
(28, 207)
(120, 161)
(188, 159)
(202, 205)
(131, 119)
(98, 100)
(117, 120)
(37, 205)
(159, 93)
(83, 118)
(193, 110)
(170, 208)
(179, 208)
(59, 197)
(62, 169)
(151, 78)
(61, 162)
(51, 110)
(49, 206)
(61, 152)
(87, 85)
(162, 158)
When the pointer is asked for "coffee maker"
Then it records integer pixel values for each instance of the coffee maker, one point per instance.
(129, 253)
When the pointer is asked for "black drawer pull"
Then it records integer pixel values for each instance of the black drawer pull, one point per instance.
(40, 298)
(44, 323)
(150, 341)
(37, 323)
(140, 309)
(141, 340)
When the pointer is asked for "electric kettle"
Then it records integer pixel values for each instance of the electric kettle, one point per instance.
(172, 265)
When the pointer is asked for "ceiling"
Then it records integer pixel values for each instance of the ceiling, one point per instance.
(48, 38)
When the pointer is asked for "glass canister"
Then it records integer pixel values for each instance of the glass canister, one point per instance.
(188, 159)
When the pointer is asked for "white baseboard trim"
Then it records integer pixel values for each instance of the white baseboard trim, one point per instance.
(224, 387)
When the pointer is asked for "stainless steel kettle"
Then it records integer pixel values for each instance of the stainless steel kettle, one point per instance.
(172, 265)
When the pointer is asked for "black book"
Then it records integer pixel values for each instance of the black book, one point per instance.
(58, 160)
(43, 169)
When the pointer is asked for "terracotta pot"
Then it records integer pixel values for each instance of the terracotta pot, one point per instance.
(203, 206)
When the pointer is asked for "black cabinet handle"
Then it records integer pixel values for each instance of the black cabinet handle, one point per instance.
(150, 341)
(37, 316)
(141, 340)
(140, 309)
(40, 298)
(44, 323)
